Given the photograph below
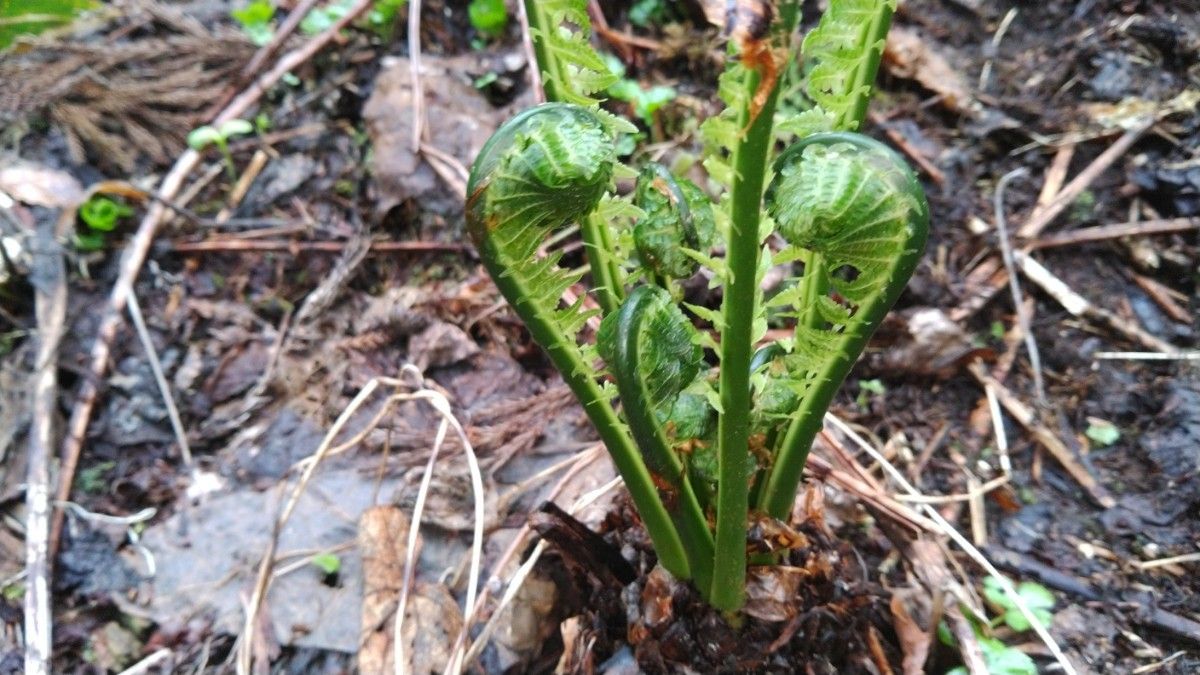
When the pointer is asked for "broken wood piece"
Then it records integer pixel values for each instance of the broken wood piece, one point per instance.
(1056, 175)
(1028, 419)
(581, 547)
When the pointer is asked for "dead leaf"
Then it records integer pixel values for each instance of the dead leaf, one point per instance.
(440, 344)
(459, 121)
(914, 640)
(771, 591)
(39, 185)
(382, 539)
(909, 56)
(924, 341)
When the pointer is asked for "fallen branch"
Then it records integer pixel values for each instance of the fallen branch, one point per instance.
(1080, 306)
(1043, 216)
(231, 245)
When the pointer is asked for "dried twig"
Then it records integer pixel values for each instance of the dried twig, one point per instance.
(949, 530)
(139, 324)
(1080, 306)
(1043, 216)
(1146, 356)
(1006, 253)
(49, 280)
(1101, 233)
(414, 73)
(232, 245)
(139, 246)
(1026, 418)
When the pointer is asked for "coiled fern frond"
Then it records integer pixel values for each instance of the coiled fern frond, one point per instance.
(546, 167)
(855, 213)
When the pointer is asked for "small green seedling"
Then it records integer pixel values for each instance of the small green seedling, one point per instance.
(330, 565)
(646, 101)
(489, 17)
(998, 658)
(1037, 598)
(256, 21)
(1102, 432)
(207, 135)
(868, 387)
(100, 214)
(700, 447)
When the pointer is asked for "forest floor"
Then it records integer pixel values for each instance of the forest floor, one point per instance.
(275, 297)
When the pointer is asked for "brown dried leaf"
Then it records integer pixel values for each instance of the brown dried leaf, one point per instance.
(40, 186)
(914, 640)
(382, 539)
(925, 341)
(908, 55)
(771, 591)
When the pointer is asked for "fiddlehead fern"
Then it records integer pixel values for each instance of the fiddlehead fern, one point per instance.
(651, 349)
(859, 213)
(676, 215)
(542, 169)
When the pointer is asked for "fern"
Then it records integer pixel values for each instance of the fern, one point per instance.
(857, 211)
(846, 47)
(849, 209)
(572, 70)
(546, 167)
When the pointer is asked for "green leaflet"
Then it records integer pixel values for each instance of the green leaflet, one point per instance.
(547, 166)
(542, 169)
(571, 70)
(846, 46)
(860, 218)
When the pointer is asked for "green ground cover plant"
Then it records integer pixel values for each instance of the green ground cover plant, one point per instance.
(707, 422)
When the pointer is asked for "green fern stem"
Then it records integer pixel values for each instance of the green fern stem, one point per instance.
(875, 36)
(539, 27)
(898, 227)
(738, 311)
(630, 368)
(607, 284)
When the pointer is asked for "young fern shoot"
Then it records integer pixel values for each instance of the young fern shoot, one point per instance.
(700, 447)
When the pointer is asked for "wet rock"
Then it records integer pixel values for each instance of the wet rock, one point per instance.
(289, 439)
(89, 565)
(1173, 443)
(1114, 76)
(1173, 188)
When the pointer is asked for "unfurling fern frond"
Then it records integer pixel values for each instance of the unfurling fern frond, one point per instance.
(846, 46)
(676, 217)
(544, 168)
(652, 351)
(860, 218)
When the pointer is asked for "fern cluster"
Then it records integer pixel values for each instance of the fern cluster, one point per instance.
(698, 446)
